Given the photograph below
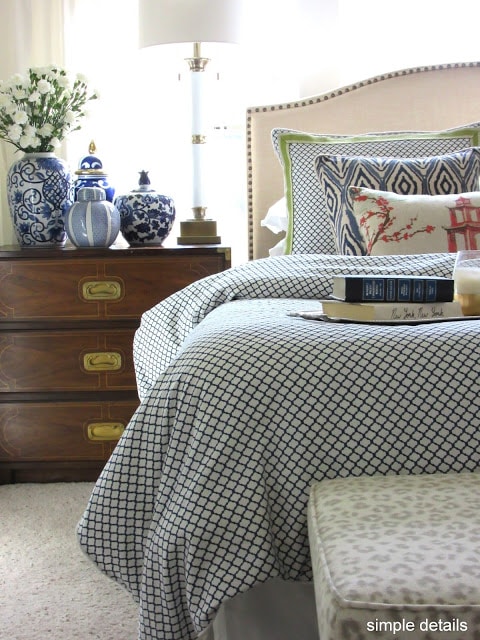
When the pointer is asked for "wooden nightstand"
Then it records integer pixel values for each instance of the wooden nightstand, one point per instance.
(67, 321)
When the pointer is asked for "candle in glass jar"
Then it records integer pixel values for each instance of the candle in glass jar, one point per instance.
(467, 281)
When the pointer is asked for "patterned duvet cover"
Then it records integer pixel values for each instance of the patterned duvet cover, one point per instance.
(243, 406)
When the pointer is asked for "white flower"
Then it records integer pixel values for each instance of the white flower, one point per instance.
(30, 131)
(34, 97)
(46, 131)
(70, 117)
(20, 117)
(44, 86)
(29, 142)
(19, 93)
(63, 81)
(39, 108)
(14, 132)
(44, 71)
(11, 109)
(5, 100)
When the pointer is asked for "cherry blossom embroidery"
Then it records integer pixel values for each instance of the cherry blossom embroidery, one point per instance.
(377, 221)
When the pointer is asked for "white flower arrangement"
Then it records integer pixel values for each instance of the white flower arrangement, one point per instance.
(39, 109)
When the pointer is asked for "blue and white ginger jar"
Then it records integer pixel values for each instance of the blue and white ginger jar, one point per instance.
(146, 217)
(90, 173)
(92, 221)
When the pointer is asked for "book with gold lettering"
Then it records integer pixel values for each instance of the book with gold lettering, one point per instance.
(392, 288)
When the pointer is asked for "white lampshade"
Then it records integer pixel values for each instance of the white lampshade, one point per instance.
(174, 21)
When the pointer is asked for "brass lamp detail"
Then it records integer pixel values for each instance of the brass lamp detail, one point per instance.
(197, 63)
(199, 212)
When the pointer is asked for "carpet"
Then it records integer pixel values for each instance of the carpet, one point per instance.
(48, 588)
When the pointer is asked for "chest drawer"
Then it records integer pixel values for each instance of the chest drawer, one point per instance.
(69, 431)
(65, 360)
(94, 288)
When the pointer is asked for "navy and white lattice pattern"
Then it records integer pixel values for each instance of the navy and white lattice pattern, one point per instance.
(244, 406)
(310, 227)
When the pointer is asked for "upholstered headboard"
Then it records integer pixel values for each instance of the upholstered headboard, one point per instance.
(418, 99)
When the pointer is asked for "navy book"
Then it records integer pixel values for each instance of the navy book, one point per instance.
(394, 288)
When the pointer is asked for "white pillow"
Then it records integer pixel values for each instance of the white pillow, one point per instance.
(277, 221)
(279, 249)
(277, 217)
(394, 224)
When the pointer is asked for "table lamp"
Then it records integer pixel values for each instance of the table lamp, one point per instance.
(193, 21)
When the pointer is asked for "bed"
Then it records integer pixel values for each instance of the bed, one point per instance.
(201, 510)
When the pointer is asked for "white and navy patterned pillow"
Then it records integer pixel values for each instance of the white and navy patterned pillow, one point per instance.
(436, 175)
(309, 227)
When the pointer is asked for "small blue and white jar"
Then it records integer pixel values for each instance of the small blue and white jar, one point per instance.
(146, 217)
(90, 173)
(92, 221)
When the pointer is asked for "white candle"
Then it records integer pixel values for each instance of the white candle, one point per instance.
(467, 280)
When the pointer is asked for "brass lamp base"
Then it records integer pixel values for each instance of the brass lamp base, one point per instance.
(198, 231)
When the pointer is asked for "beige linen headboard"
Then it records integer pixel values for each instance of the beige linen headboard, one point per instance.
(418, 99)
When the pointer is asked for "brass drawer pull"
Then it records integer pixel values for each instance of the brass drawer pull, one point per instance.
(101, 290)
(101, 431)
(102, 361)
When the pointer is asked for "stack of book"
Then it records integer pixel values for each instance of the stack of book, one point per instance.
(392, 298)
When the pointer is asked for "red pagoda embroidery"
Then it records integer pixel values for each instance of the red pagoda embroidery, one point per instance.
(465, 226)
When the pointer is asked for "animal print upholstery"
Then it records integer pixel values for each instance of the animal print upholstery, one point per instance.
(397, 557)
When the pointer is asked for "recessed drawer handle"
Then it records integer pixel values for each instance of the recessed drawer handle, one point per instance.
(101, 290)
(101, 431)
(102, 361)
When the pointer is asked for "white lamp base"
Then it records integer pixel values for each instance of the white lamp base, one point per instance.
(198, 232)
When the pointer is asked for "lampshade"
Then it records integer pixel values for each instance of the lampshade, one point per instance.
(174, 21)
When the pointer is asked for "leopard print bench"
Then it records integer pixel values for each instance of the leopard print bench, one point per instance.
(397, 557)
